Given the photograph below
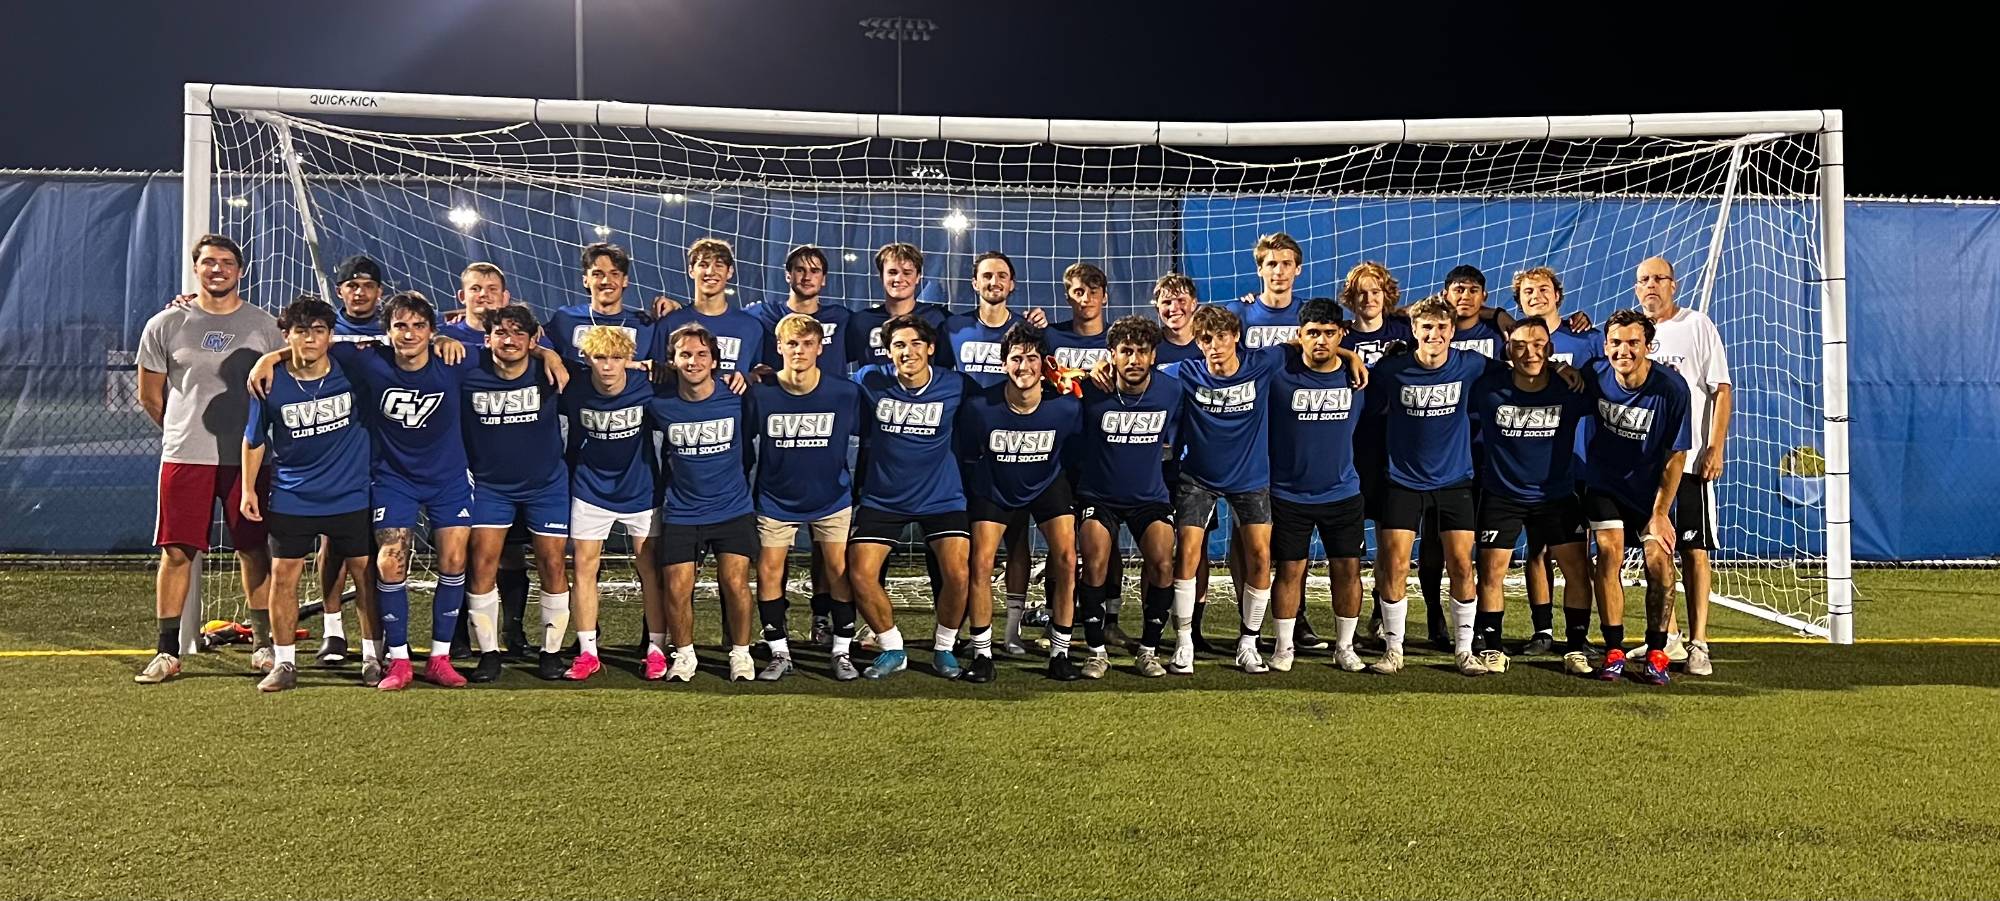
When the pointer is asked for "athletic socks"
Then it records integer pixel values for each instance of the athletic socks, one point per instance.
(1486, 626)
(891, 640)
(285, 653)
(393, 598)
(1255, 602)
(944, 639)
(445, 602)
(1463, 613)
(586, 641)
(331, 626)
(1656, 639)
(656, 641)
(1614, 637)
(484, 611)
(170, 636)
(1159, 601)
(982, 641)
(773, 614)
(1285, 626)
(1395, 618)
(1092, 602)
(1184, 609)
(371, 649)
(260, 627)
(513, 587)
(1017, 610)
(1058, 642)
(1544, 616)
(555, 620)
(1343, 630)
(1576, 628)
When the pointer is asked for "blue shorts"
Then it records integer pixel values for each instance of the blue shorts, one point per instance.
(545, 510)
(445, 503)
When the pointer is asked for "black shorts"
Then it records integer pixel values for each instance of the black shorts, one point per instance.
(1195, 503)
(292, 537)
(873, 526)
(1405, 509)
(1554, 521)
(1342, 528)
(1136, 518)
(1694, 515)
(1170, 476)
(1602, 512)
(1054, 501)
(677, 544)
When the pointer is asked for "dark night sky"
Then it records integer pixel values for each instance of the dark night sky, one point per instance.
(95, 84)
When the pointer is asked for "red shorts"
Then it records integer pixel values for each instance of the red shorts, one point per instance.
(188, 494)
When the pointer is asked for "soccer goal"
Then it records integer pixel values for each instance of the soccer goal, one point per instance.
(1748, 206)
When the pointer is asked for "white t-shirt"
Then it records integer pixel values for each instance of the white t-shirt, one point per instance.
(207, 360)
(1689, 343)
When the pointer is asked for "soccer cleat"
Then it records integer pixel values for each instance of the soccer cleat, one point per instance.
(332, 651)
(1062, 670)
(779, 667)
(1116, 637)
(866, 639)
(656, 664)
(1469, 665)
(583, 667)
(1441, 639)
(822, 632)
(283, 676)
(1698, 662)
(887, 663)
(683, 667)
(1027, 647)
(1096, 666)
(550, 666)
(1149, 665)
(488, 669)
(1495, 661)
(1614, 666)
(439, 671)
(516, 644)
(1390, 664)
(1677, 649)
(1542, 643)
(371, 673)
(1577, 663)
(741, 667)
(1249, 661)
(263, 659)
(161, 668)
(1282, 660)
(843, 668)
(980, 672)
(1305, 639)
(1348, 660)
(945, 663)
(1655, 672)
(397, 677)
(1182, 663)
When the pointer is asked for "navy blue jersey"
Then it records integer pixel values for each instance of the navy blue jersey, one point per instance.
(974, 347)
(704, 449)
(319, 457)
(1124, 439)
(1635, 431)
(1313, 415)
(1429, 433)
(567, 325)
(1530, 436)
(739, 338)
(1372, 345)
(1575, 348)
(349, 329)
(513, 430)
(1482, 338)
(464, 333)
(1225, 427)
(1073, 350)
(611, 460)
(833, 320)
(802, 444)
(1266, 326)
(864, 335)
(911, 468)
(1012, 458)
(414, 415)
(1168, 352)
(1372, 430)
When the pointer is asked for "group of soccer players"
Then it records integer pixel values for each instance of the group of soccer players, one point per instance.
(716, 430)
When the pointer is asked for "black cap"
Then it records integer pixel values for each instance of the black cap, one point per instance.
(357, 266)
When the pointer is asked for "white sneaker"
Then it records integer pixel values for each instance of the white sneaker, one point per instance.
(1469, 665)
(1390, 664)
(1282, 660)
(1494, 661)
(1698, 661)
(263, 659)
(1096, 666)
(161, 668)
(1182, 663)
(741, 667)
(1577, 663)
(1249, 661)
(1347, 660)
(683, 668)
(1677, 649)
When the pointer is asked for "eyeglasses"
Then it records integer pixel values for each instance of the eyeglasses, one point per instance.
(1649, 279)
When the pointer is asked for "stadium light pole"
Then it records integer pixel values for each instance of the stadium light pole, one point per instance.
(578, 30)
(900, 29)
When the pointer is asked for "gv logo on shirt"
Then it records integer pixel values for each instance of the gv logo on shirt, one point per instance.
(216, 342)
(408, 407)
(313, 412)
(1132, 426)
(728, 349)
(1322, 400)
(979, 356)
(1230, 396)
(513, 400)
(1441, 398)
(891, 411)
(1010, 442)
(799, 425)
(1268, 335)
(692, 439)
(1080, 357)
(1480, 346)
(1625, 421)
(609, 425)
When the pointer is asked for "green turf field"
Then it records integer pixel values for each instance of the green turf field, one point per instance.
(1799, 770)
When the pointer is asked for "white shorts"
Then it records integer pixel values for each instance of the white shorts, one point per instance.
(589, 522)
(778, 533)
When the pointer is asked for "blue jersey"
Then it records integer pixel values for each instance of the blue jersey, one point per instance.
(704, 449)
(1482, 338)
(1635, 431)
(611, 461)
(1313, 415)
(1225, 426)
(1167, 352)
(864, 335)
(1123, 441)
(1429, 433)
(1012, 458)
(567, 325)
(1076, 351)
(833, 321)
(739, 338)
(1575, 348)
(802, 444)
(348, 329)
(1373, 345)
(974, 347)
(1267, 326)
(414, 415)
(319, 457)
(513, 430)
(1530, 436)
(911, 469)
(464, 333)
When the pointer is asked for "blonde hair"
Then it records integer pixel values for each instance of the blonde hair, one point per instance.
(607, 341)
(1433, 307)
(799, 325)
(1350, 293)
(483, 268)
(906, 252)
(712, 247)
(1277, 241)
(1539, 272)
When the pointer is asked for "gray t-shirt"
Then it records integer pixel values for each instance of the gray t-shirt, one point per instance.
(207, 359)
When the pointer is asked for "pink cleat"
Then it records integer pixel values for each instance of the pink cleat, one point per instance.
(439, 670)
(585, 666)
(396, 677)
(656, 664)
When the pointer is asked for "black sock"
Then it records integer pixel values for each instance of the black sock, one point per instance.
(260, 627)
(936, 576)
(1486, 629)
(1092, 604)
(1614, 637)
(1576, 628)
(843, 617)
(773, 614)
(170, 635)
(822, 606)
(1158, 603)
(1434, 616)
(1544, 616)
(1656, 640)
(462, 633)
(1200, 610)
(513, 599)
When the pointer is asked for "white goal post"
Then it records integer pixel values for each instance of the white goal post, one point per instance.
(1753, 200)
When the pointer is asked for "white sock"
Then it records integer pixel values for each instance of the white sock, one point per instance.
(331, 626)
(371, 649)
(841, 643)
(739, 650)
(1343, 630)
(944, 639)
(656, 641)
(891, 640)
(587, 638)
(485, 612)
(1255, 602)
(1395, 616)
(555, 620)
(982, 642)
(1059, 643)
(780, 647)
(1016, 611)
(1463, 611)
(1184, 609)
(686, 650)
(285, 653)
(1285, 634)
(399, 652)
